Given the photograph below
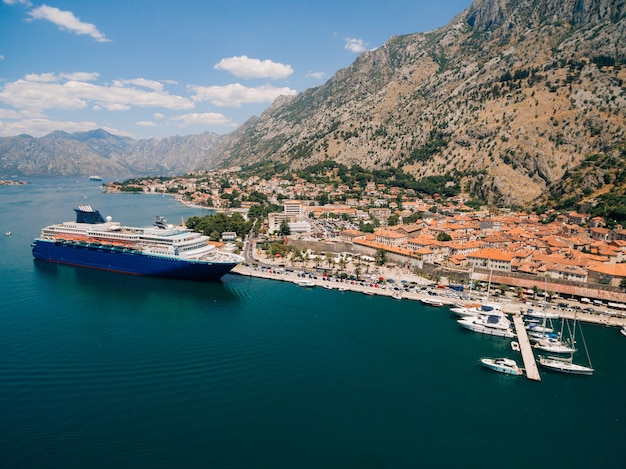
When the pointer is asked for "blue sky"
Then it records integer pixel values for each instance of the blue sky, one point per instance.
(151, 68)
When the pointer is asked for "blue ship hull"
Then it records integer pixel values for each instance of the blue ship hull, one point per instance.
(126, 261)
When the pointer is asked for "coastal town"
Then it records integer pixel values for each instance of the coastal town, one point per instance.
(561, 259)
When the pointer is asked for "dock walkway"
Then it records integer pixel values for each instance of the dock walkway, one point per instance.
(532, 372)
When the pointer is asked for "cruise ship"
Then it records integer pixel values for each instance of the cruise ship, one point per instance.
(161, 250)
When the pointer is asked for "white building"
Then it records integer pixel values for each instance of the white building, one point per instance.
(293, 207)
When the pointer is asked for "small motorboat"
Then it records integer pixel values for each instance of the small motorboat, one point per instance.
(304, 283)
(502, 365)
(431, 302)
(515, 346)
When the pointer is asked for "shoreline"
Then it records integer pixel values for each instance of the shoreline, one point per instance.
(509, 307)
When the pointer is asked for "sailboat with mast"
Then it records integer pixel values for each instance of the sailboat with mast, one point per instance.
(566, 364)
(545, 339)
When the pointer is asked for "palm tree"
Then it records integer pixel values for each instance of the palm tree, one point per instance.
(329, 259)
(535, 291)
(381, 257)
(318, 257)
(296, 255)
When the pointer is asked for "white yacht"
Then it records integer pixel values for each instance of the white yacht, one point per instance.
(503, 365)
(431, 301)
(541, 314)
(539, 328)
(304, 283)
(493, 324)
(564, 365)
(477, 309)
(553, 346)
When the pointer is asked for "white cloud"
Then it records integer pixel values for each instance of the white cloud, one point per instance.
(235, 95)
(17, 2)
(158, 115)
(66, 20)
(9, 114)
(42, 77)
(355, 45)
(244, 67)
(207, 118)
(146, 124)
(316, 75)
(1, 57)
(50, 91)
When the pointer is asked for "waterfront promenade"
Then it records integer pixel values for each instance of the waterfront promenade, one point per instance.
(509, 306)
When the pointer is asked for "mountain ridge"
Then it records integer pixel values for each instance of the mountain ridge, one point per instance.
(99, 152)
(507, 97)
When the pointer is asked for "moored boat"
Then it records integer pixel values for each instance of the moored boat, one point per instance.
(477, 309)
(541, 314)
(431, 302)
(304, 283)
(161, 250)
(490, 325)
(564, 365)
(502, 365)
(553, 346)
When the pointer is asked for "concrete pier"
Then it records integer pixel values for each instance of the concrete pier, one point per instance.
(532, 372)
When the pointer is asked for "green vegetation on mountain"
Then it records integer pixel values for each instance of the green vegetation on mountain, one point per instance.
(597, 186)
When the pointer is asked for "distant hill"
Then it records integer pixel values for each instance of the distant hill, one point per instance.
(99, 152)
(506, 100)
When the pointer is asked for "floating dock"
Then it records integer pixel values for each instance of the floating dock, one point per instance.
(532, 372)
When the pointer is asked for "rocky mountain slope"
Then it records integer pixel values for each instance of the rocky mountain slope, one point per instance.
(507, 98)
(99, 152)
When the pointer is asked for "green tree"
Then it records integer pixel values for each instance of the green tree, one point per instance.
(381, 257)
(284, 229)
(366, 227)
(442, 237)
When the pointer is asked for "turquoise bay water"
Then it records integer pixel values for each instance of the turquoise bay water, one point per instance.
(106, 370)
